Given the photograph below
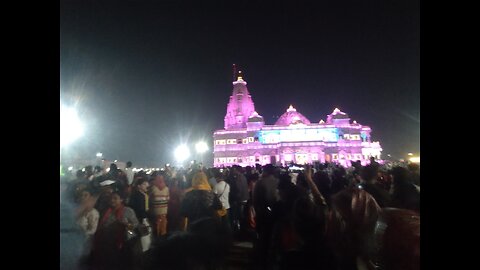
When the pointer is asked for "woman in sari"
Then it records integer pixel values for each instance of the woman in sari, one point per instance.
(111, 249)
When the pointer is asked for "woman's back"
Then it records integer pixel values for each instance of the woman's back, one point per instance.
(197, 204)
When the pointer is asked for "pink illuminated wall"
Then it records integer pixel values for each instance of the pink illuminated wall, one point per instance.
(247, 140)
(240, 106)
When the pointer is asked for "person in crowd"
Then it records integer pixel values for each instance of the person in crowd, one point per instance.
(78, 185)
(264, 197)
(204, 245)
(285, 241)
(323, 183)
(129, 173)
(160, 196)
(89, 173)
(112, 248)
(370, 185)
(339, 180)
(403, 191)
(238, 197)
(97, 171)
(139, 200)
(222, 190)
(120, 178)
(310, 213)
(351, 227)
(211, 177)
(414, 170)
(199, 201)
(72, 238)
(87, 215)
(104, 197)
(176, 197)
(87, 219)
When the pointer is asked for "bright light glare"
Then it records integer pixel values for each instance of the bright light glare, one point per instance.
(201, 147)
(71, 128)
(99, 154)
(415, 159)
(410, 154)
(182, 153)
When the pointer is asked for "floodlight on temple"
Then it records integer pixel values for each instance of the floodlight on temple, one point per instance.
(247, 140)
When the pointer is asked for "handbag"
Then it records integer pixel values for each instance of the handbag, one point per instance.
(145, 235)
(130, 232)
(221, 212)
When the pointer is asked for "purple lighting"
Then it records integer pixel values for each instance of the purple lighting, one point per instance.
(291, 117)
(246, 140)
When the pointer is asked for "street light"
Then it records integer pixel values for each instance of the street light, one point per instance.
(181, 153)
(201, 147)
(415, 159)
(71, 128)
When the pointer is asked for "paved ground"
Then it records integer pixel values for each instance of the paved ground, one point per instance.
(240, 256)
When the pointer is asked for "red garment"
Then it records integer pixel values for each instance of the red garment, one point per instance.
(120, 236)
(173, 215)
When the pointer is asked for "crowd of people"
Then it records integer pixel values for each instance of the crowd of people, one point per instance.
(322, 216)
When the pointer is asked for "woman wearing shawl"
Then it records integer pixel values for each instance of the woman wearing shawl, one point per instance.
(110, 246)
(87, 220)
(200, 201)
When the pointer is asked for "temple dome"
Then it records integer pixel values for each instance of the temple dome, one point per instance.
(291, 116)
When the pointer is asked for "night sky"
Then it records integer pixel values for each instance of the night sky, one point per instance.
(146, 76)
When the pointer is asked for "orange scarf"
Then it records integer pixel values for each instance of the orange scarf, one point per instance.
(200, 182)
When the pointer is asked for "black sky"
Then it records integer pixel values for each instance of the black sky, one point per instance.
(146, 75)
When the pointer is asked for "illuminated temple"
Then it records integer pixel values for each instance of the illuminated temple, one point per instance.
(247, 140)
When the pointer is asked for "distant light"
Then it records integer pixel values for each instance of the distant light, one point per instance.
(99, 154)
(410, 154)
(181, 153)
(415, 159)
(201, 147)
(389, 155)
(115, 160)
(71, 128)
(70, 168)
